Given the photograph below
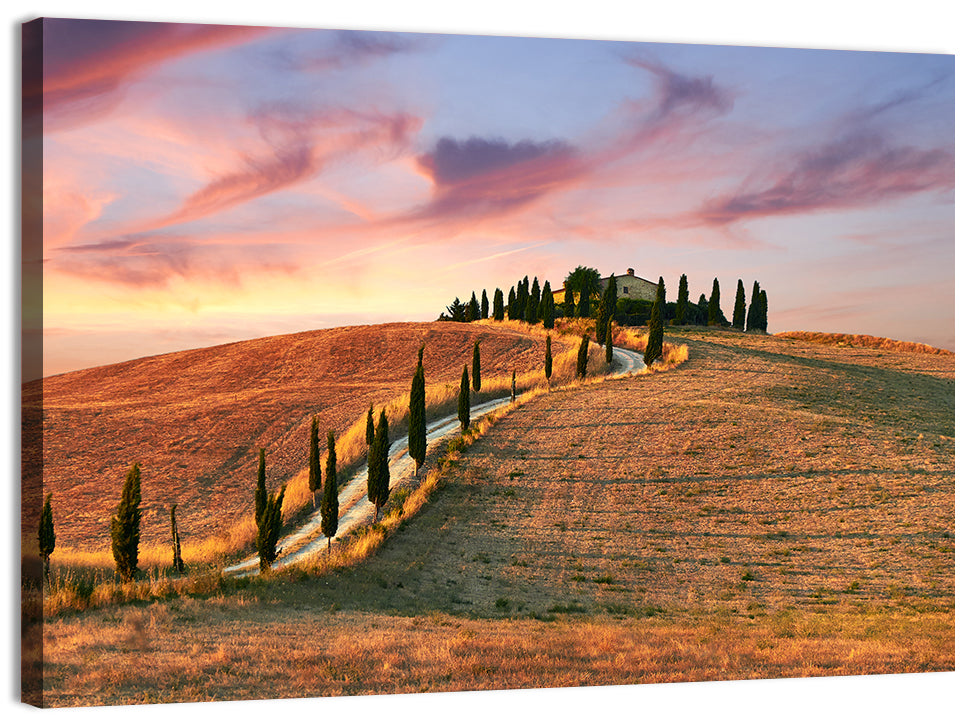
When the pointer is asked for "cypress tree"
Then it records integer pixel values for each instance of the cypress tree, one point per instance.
(536, 292)
(763, 310)
(472, 311)
(125, 525)
(485, 305)
(378, 473)
(682, 300)
(511, 307)
(46, 535)
(739, 307)
(548, 367)
(416, 417)
(753, 313)
(582, 357)
(548, 308)
(498, 305)
(609, 342)
(583, 308)
(654, 345)
(713, 311)
(329, 497)
(532, 310)
(260, 490)
(464, 400)
(178, 564)
(476, 368)
(513, 385)
(568, 304)
(607, 308)
(314, 461)
(269, 527)
(522, 298)
(370, 426)
(702, 308)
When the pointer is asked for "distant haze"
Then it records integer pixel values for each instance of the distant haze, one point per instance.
(209, 183)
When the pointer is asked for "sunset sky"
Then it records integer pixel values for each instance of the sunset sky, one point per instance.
(204, 183)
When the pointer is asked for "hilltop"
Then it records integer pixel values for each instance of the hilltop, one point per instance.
(195, 419)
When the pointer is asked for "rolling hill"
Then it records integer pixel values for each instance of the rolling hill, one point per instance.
(195, 419)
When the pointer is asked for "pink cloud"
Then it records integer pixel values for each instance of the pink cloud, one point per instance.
(857, 170)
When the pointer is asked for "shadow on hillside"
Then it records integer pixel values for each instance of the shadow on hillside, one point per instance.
(915, 402)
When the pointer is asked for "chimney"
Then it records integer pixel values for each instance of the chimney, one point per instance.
(629, 271)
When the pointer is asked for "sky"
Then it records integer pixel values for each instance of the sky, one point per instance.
(205, 183)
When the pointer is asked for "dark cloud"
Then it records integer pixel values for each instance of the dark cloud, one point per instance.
(678, 93)
(484, 176)
(856, 170)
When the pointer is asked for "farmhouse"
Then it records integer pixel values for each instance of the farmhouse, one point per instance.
(629, 285)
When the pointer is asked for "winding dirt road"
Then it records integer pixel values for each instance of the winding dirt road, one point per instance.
(353, 505)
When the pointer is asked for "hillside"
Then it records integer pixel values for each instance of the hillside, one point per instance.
(769, 508)
(195, 419)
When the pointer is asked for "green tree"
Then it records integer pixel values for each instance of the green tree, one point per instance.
(476, 368)
(607, 308)
(464, 399)
(267, 508)
(417, 439)
(378, 473)
(522, 298)
(329, 496)
(582, 275)
(584, 307)
(178, 563)
(498, 305)
(370, 426)
(484, 305)
(46, 535)
(125, 525)
(753, 313)
(511, 310)
(609, 341)
(654, 344)
(569, 304)
(702, 310)
(532, 310)
(548, 313)
(457, 311)
(536, 292)
(582, 357)
(763, 311)
(548, 366)
(682, 300)
(739, 308)
(472, 310)
(314, 461)
(713, 311)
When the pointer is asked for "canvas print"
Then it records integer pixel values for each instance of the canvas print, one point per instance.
(365, 362)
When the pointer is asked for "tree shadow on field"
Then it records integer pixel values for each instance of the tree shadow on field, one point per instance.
(913, 401)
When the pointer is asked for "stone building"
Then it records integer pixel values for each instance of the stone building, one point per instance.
(628, 285)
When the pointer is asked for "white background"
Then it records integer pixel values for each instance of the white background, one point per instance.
(931, 26)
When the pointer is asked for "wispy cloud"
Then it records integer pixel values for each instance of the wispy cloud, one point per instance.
(855, 170)
(88, 63)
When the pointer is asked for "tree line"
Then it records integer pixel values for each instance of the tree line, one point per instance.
(586, 297)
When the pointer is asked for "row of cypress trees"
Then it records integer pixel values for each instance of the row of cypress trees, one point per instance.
(529, 303)
(753, 319)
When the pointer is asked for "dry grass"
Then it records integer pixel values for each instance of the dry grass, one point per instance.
(846, 340)
(235, 648)
(195, 419)
(769, 508)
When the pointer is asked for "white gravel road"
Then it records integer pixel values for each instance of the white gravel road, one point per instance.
(353, 505)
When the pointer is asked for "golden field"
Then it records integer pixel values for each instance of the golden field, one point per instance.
(770, 507)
